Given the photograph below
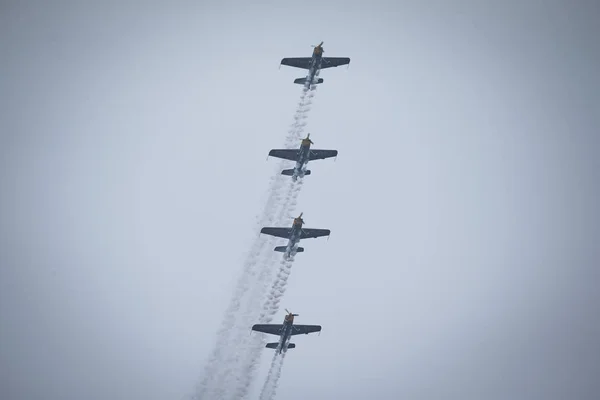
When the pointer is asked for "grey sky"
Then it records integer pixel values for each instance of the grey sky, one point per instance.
(463, 261)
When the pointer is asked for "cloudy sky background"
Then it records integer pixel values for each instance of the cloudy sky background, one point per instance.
(463, 261)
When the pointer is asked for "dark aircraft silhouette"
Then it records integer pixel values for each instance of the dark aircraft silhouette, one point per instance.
(285, 332)
(314, 63)
(294, 235)
(302, 156)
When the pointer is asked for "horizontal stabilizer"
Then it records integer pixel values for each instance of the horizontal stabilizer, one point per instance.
(274, 345)
(302, 81)
(290, 172)
(282, 249)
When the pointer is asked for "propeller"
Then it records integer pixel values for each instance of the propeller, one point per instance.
(299, 216)
(288, 311)
(308, 138)
(312, 45)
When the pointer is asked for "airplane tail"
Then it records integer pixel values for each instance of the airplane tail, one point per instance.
(290, 172)
(274, 345)
(302, 81)
(282, 249)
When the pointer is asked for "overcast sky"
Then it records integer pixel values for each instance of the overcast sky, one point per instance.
(464, 256)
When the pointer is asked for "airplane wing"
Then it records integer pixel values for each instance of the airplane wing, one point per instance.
(279, 232)
(298, 62)
(313, 233)
(287, 154)
(327, 62)
(321, 154)
(305, 329)
(272, 329)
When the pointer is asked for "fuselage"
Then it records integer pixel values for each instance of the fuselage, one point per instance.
(294, 237)
(303, 153)
(288, 321)
(315, 63)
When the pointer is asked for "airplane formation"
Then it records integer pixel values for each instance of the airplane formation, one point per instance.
(297, 232)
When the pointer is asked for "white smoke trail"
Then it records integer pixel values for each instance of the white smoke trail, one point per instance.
(240, 356)
(253, 346)
(229, 371)
(256, 345)
(248, 364)
(245, 305)
(272, 381)
(272, 303)
(278, 288)
(224, 349)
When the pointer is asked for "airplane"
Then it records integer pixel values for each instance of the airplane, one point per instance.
(302, 156)
(285, 332)
(294, 235)
(314, 64)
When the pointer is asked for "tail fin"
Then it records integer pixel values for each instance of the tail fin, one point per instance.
(274, 345)
(290, 172)
(302, 81)
(282, 249)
